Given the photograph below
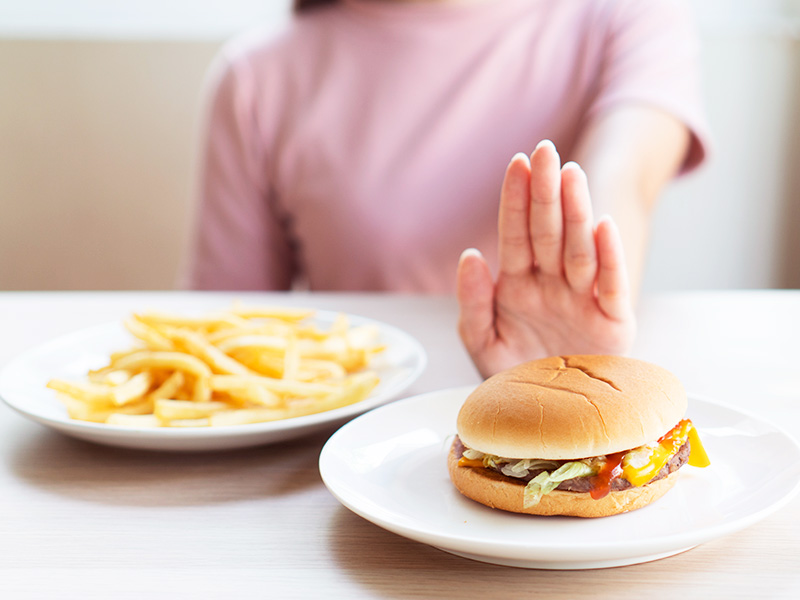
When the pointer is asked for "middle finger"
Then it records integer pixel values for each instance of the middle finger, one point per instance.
(546, 229)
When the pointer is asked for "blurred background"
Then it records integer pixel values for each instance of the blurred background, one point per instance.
(100, 103)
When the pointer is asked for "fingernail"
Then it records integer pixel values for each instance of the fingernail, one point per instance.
(607, 219)
(545, 143)
(571, 165)
(470, 252)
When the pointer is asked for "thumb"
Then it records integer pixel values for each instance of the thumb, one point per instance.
(475, 294)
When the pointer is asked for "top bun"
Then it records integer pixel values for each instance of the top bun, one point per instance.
(571, 407)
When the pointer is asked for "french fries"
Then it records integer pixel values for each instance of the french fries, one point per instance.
(245, 365)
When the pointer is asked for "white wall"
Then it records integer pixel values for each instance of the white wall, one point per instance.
(735, 223)
(210, 20)
(99, 101)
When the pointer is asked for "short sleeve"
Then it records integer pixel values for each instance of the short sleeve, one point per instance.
(652, 56)
(238, 241)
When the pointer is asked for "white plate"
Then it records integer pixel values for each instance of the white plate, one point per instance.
(22, 387)
(389, 466)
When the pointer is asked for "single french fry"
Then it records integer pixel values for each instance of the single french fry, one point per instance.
(109, 376)
(355, 390)
(81, 410)
(216, 359)
(259, 362)
(180, 361)
(202, 422)
(85, 411)
(244, 416)
(272, 312)
(116, 356)
(146, 421)
(201, 391)
(168, 410)
(148, 334)
(211, 320)
(274, 343)
(133, 389)
(247, 390)
(281, 387)
(312, 369)
(340, 325)
(272, 328)
(291, 359)
(169, 388)
(89, 393)
(364, 336)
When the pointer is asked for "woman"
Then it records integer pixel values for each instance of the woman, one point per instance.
(365, 147)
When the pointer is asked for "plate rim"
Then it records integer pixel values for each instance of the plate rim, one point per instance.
(492, 550)
(88, 430)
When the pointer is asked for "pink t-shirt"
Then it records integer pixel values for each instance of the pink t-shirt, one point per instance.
(364, 147)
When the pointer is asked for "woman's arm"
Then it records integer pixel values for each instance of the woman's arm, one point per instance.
(629, 155)
(238, 241)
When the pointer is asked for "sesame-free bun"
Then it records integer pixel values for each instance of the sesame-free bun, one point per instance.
(571, 407)
(498, 491)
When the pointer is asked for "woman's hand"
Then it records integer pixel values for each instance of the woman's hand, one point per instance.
(562, 285)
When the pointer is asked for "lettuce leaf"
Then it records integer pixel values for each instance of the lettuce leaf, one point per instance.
(513, 467)
(545, 482)
(520, 468)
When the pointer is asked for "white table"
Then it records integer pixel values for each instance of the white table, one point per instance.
(78, 519)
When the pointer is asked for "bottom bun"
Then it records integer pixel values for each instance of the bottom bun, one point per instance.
(501, 492)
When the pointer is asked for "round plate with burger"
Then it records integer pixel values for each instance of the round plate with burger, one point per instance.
(559, 439)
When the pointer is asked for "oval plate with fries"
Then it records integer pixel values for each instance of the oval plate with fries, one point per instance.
(227, 379)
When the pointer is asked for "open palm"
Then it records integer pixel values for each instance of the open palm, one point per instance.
(562, 285)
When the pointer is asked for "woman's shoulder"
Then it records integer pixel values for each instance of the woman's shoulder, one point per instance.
(649, 10)
(288, 40)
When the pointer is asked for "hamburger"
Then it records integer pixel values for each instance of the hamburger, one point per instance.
(582, 436)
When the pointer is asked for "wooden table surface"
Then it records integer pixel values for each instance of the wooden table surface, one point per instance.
(84, 520)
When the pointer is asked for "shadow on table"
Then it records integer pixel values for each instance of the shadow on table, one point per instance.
(380, 561)
(108, 475)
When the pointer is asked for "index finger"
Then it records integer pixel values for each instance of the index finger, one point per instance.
(515, 253)
(613, 291)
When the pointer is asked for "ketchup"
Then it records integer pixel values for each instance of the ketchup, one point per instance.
(601, 483)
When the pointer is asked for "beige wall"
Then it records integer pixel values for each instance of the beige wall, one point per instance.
(98, 139)
(97, 143)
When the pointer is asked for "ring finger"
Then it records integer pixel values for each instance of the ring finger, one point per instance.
(580, 254)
